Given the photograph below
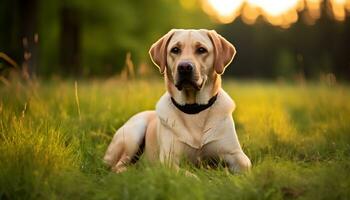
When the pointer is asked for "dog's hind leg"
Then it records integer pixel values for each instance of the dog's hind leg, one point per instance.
(127, 141)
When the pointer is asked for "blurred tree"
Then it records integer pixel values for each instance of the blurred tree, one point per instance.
(105, 31)
(93, 38)
(19, 32)
(9, 43)
(28, 10)
(70, 41)
(89, 37)
(311, 50)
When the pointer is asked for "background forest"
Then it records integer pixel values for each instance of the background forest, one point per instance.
(93, 38)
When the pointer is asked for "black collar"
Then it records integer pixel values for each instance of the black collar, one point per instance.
(194, 108)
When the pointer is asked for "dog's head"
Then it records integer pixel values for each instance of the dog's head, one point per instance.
(192, 60)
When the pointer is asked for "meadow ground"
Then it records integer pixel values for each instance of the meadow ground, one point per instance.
(297, 136)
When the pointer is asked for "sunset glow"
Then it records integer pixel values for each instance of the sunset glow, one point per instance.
(277, 12)
(226, 10)
(274, 7)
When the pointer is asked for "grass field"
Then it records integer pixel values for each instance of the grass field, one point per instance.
(52, 141)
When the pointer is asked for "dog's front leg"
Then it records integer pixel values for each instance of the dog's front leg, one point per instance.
(173, 162)
(170, 155)
(230, 150)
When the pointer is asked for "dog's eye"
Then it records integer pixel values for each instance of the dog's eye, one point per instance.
(201, 50)
(175, 50)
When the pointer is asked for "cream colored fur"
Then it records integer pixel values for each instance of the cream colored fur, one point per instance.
(170, 134)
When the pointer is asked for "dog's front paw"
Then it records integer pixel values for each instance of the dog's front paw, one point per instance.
(242, 163)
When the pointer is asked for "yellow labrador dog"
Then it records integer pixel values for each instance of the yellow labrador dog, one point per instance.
(193, 119)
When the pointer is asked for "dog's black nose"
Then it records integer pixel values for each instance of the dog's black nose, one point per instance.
(185, 67)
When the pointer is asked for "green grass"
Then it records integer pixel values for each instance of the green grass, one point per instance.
(297, 136)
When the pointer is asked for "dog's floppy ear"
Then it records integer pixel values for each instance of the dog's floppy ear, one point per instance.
(158, 51)
(224, 51)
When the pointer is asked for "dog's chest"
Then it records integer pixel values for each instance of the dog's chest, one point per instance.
(194, 130)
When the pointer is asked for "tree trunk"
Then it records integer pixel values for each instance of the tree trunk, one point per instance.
(70, 49)
(29, 37)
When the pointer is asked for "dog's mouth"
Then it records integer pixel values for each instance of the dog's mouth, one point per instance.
(188, 85)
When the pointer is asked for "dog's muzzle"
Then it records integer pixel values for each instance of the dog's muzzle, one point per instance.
(186, 76)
